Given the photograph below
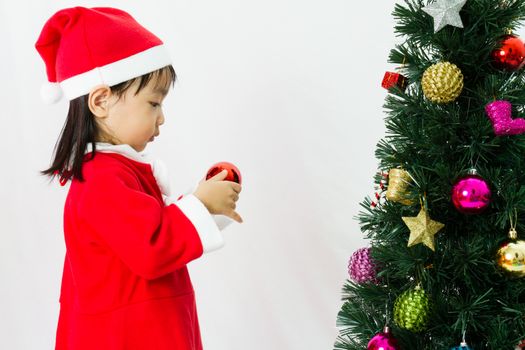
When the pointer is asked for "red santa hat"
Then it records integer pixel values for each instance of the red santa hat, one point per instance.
(84, 47)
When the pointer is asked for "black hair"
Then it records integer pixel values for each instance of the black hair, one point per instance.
(80, 128)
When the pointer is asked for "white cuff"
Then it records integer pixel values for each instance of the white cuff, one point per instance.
(222, 221)
(200, 217)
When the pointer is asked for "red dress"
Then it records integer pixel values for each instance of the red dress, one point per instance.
(125, 284)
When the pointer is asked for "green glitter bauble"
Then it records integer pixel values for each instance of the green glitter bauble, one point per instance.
(412, 310)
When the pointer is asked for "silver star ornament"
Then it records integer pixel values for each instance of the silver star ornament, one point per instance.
(445, 12)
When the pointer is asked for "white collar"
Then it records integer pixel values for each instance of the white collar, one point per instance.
(159, 169)
(123, 149)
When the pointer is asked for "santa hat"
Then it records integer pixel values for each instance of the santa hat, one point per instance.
(84, 47)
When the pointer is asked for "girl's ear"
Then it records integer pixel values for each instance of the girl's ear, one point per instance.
(98, 100)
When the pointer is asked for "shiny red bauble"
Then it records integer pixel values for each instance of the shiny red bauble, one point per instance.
(233, 172)
(510, 54)
(471, 194)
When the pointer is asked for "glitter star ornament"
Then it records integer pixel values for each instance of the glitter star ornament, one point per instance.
(445, 12)
(422, 229)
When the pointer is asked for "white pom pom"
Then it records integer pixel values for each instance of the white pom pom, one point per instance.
(51, 92)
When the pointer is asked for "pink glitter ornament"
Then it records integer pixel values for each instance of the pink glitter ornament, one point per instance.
(471, 194)
(361, 267)
(383, 341)
(500, 114)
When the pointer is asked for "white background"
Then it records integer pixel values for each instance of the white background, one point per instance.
(288, 90)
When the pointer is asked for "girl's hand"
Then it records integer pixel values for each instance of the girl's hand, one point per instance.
(219, 196)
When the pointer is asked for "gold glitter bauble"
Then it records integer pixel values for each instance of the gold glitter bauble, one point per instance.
(442, 82)
(398, 182)
(511, 257)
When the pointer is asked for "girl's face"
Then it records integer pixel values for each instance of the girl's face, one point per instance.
(134, 119)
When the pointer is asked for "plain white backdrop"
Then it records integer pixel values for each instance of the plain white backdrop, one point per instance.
(288, 90)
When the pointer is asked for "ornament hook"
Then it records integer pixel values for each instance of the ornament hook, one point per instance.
(386, 315)
(513, 234)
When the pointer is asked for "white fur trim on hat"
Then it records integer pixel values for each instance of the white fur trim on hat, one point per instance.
(117, 72)
(50, 92)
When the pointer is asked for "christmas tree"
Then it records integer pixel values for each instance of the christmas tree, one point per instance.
(445, 268)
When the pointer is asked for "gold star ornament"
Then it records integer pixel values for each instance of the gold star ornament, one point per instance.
(422, 229)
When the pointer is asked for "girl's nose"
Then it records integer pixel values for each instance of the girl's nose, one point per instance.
(160, 120)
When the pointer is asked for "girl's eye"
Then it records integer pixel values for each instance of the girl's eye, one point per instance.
(155, 104)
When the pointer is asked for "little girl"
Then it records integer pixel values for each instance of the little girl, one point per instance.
(125, 284)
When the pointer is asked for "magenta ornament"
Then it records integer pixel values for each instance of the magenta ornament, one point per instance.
(361, 267)
(383, 341)
(500, 114)
(471, 194)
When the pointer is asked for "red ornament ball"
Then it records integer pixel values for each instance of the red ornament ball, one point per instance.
(233, 172)
(510, 55)
(471, 194)
(383, 341)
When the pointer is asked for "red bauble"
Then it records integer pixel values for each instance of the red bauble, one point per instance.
(233, 173)
(510, 55)
(471, 194)
(392, 79)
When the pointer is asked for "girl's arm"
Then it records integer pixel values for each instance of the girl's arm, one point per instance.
(222, 221)
(151, 239)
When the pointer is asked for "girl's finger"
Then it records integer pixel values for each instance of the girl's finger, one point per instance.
(220, 176)
(236, 187)
(235, 216)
